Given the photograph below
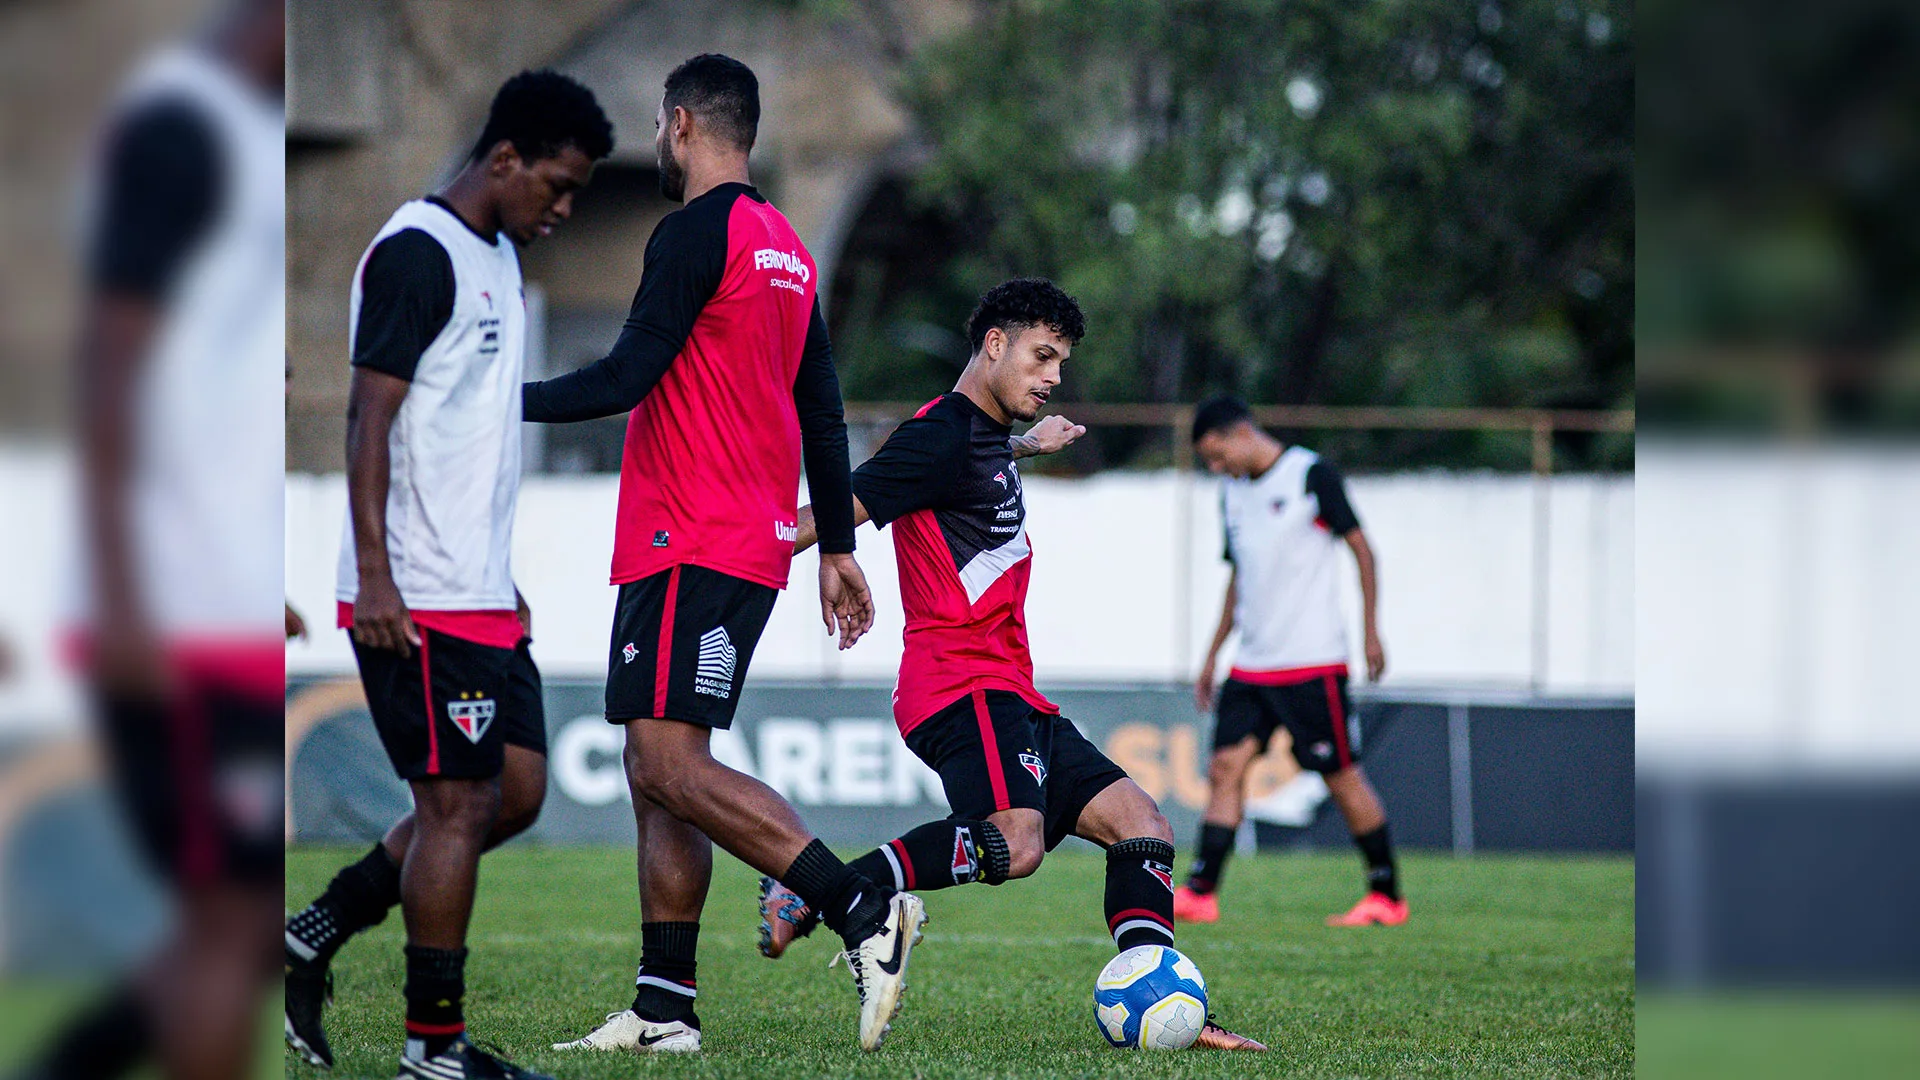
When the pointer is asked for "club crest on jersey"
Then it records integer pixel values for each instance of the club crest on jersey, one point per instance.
(965, 866)
(472, 714)
(1032, 763)
(628, 652)
(1161, 871)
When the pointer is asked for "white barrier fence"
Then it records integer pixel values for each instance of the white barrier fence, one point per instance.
(1127, 582)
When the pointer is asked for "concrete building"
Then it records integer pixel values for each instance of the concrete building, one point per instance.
(385, 99)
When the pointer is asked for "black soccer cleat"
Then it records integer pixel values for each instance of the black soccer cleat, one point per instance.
(462, 1060)
(309, 990)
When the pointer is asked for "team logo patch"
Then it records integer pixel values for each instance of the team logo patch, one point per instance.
(1161, 871)
(1000, 478)
(714, 675)
(472, 717)
(965, 866)
(1031, 761)
(628, 652)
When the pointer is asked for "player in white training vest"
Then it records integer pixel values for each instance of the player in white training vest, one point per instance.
(425, 582)
(1287, 516)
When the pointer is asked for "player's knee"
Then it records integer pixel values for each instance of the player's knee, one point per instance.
(1228, 767)
(457, 807)
(519, 810)
(1024, 856)
(1155, 824)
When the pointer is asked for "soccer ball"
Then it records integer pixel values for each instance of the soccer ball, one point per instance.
(1150, 997)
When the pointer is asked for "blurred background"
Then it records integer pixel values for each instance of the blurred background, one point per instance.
(1778, 740)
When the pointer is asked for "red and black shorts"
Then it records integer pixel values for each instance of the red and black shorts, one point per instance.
(451, 707)
(682, 640)
(994, 752)
(200, 777)
(1316, 712)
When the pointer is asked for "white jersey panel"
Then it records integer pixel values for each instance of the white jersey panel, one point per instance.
(455, 443)
(1287, 567)
(207, 491)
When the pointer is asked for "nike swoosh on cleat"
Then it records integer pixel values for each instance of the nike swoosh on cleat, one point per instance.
(892, 967)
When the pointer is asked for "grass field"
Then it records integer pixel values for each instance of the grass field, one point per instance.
(1510, 966)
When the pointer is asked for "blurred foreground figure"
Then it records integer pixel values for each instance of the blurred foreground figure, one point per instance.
(177, 614)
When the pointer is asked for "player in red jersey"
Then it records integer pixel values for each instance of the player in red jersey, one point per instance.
(727, 370)
(1020, 777)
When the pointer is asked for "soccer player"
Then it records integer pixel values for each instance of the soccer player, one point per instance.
(1286, 514)
(1019, 776)
(180, 481)
(425, 581)
(727, 370)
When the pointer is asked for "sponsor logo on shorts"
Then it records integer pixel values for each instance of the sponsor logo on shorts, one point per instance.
(472, 714)
(628, 652)
(714, 675)
(1322, 749)
(1162, 871)
(965, 866)
(1031, 761)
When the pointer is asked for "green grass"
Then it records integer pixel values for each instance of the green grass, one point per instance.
(1510, 966)
(1759, 1034)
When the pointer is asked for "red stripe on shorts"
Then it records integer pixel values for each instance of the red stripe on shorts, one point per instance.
(433, 729)
(664, 665)
(995, 775)
(1339, 721)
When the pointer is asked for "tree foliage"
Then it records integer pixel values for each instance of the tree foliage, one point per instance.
(1409, 202)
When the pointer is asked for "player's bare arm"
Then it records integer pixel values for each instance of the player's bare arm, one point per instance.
(1050, 436)
(119, 328)
(1204, 683)
(380, 616)
(1369, 603)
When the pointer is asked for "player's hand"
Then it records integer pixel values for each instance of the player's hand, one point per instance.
(1054, 434)
(296, 626)
(128, 660)
(846, 604)
(521, 609)
(1376, 657)
(381, 619)
(1203, 689)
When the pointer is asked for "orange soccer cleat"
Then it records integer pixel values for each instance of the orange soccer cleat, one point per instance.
(1374, 909)
(1190, 906)
(1215, 1037)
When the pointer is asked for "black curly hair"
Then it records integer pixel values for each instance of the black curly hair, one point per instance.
(1219, 414)
(542, 113)
(722, 92)
(1022, 303)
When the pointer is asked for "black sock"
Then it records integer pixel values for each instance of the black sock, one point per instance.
(1140, 892)
(939, 855)
(664, 987)
(106, 1041)
(1378, 851)
(359, 896)
(436, 981)
(847, 900)
(1216, 843)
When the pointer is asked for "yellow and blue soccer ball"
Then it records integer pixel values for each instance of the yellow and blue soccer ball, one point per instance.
(1150, 997)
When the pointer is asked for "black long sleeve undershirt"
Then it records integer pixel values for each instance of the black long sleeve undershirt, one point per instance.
(823, 439)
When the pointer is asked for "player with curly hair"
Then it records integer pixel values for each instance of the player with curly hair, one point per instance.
(1019, 776)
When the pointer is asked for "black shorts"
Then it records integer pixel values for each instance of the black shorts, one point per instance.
(451, 707)
(682, 640)
(201, 781)
(1316, 713)
(995, 752)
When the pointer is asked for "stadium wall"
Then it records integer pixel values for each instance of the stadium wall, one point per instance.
(1128, 580)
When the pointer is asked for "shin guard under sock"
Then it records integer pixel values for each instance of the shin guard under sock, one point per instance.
(1140, 892)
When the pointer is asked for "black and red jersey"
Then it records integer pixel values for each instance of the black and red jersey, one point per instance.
(947, 481)
(726, 366)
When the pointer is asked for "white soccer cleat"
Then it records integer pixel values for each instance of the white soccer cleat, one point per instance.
(627, 1030)
(879, 966)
